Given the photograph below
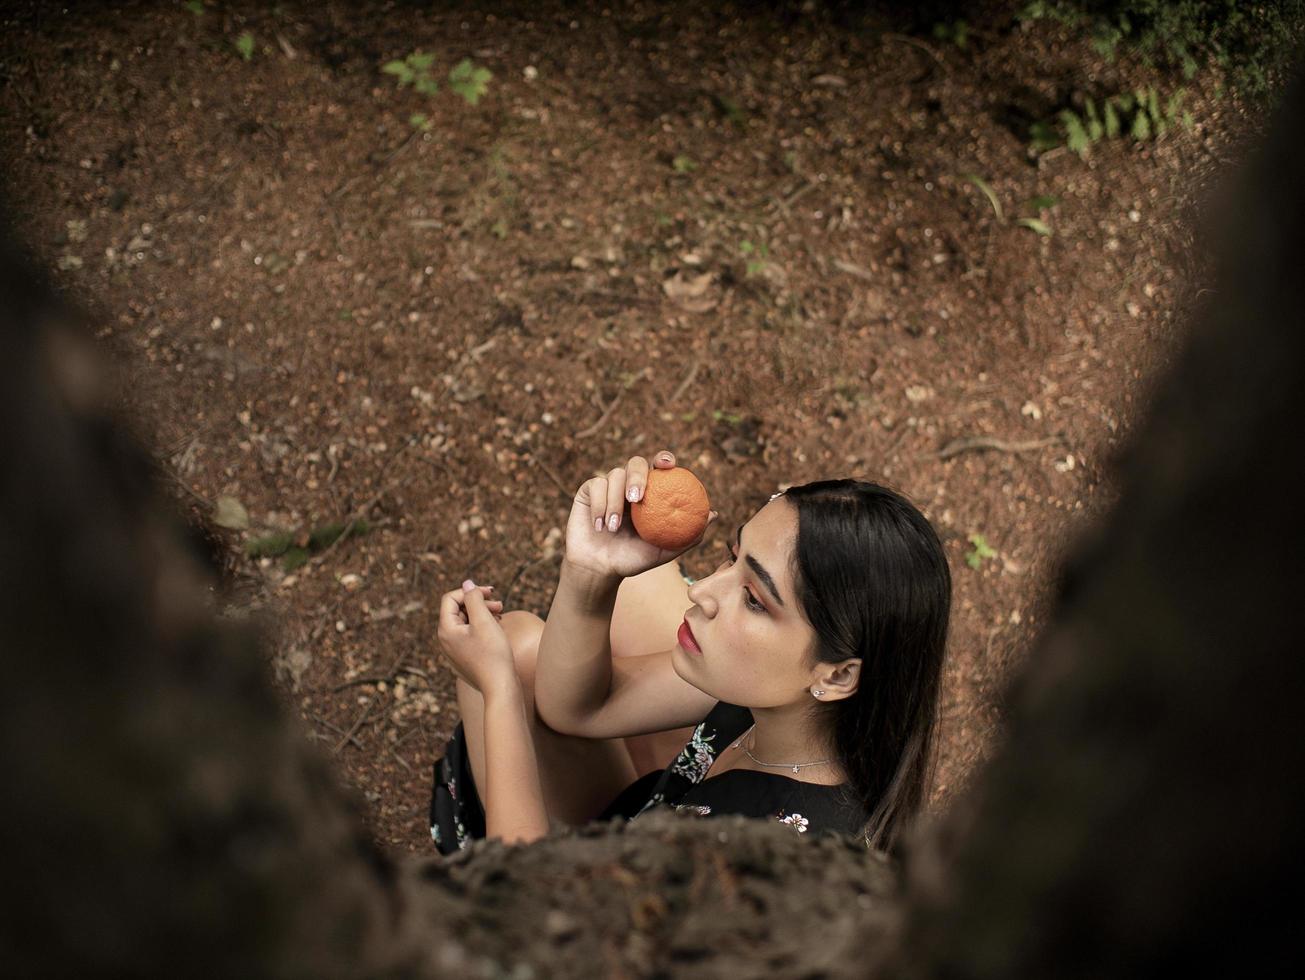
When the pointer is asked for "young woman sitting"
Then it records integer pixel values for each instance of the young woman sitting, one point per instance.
(800, 685)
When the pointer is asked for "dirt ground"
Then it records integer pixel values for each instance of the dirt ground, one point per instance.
(744, 235)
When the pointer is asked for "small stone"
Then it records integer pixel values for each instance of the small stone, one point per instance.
(560, 925)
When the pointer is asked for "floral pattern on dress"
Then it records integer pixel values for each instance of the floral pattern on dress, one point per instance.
(652, 802)
(693, 808)
(696, 757)
(794, 820)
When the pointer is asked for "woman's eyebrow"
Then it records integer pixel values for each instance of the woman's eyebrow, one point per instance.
(756, 567)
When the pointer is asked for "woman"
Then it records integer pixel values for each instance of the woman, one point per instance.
(808, 663)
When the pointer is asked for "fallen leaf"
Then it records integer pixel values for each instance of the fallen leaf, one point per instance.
(230, 513)
(690, 293)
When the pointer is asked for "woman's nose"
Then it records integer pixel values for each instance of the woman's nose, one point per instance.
(699, 594)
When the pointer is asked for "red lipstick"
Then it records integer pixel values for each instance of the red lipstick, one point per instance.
(685, 636)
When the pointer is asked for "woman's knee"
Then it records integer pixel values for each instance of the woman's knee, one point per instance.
(523, 631)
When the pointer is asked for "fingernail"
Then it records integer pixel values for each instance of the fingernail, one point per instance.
(598, 523)
(613, 521)
(632, 494)
(468, 585)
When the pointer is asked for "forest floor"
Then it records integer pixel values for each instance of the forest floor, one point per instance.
(746, 235)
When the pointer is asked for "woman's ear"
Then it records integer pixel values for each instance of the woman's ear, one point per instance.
(838, 681)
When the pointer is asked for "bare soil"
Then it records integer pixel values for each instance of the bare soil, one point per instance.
(329, 314)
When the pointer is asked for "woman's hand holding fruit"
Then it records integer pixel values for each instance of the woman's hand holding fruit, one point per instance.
(600, 537)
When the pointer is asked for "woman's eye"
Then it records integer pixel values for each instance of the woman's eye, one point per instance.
(748, 600)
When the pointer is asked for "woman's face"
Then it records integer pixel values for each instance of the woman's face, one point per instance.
(745, 618)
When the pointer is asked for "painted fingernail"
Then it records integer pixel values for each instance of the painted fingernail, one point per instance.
(598, 523)
(613, 521)
(468, 585)
(632, 494)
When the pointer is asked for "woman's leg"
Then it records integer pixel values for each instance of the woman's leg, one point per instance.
(649, 610)
(580, 776)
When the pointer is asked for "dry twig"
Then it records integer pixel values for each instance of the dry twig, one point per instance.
(984, 443)
(597, 426)
(318, 719)
(688, 380)
(353, 729)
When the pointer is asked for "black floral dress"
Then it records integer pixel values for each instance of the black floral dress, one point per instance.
(457, 817)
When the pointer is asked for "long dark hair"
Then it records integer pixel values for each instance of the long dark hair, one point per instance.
(872, 578)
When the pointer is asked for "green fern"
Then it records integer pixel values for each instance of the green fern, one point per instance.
(1139, 113)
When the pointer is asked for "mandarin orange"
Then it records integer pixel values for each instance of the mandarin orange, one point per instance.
(674, 510)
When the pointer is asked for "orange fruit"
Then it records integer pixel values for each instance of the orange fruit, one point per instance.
(674, 510)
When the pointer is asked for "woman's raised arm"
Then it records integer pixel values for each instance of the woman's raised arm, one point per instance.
(573, 672)
(605, 698)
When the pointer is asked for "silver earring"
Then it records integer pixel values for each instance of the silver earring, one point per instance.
(818, 693)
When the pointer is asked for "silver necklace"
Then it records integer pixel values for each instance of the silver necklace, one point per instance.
(795, 766)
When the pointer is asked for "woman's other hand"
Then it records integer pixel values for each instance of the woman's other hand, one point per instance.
(472, 639)
(599, 536)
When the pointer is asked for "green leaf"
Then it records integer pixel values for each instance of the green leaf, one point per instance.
(418, 120)
(1076, 137)
(683, 164)
(1042, 202)
(988, 192)
(1036, 224)
(469, 81)
(1141, 126)
(745, 247)
(245, 45)
(1174, 104)
(1153, 104)
(271, 545)
(1112, 120)
(294, 558)
(1042, 137)
(401, 71)
(426, 85)
(196, 7)
(1094, 127)
(421, 61)
(981, 551)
